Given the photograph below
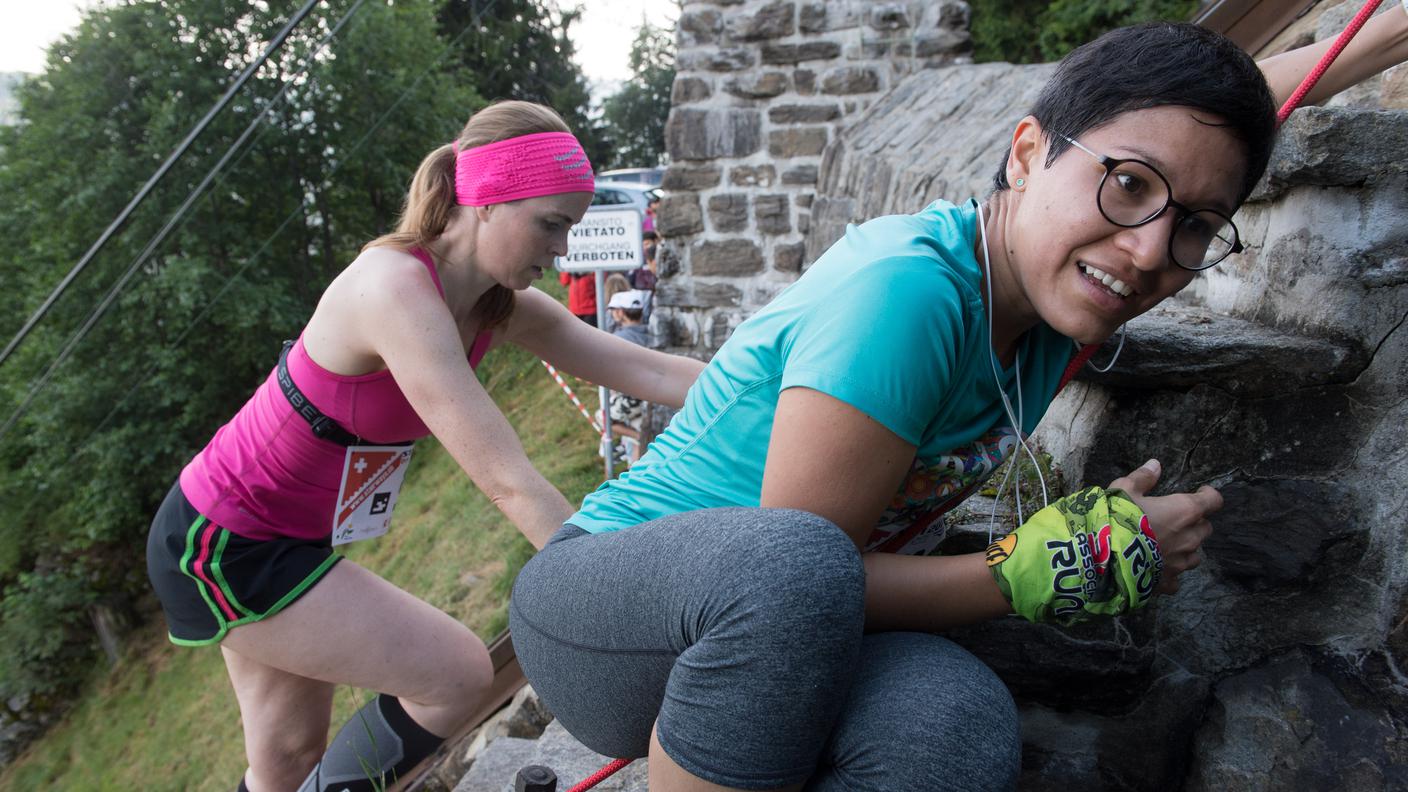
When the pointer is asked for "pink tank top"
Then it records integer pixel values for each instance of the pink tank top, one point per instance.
(265, 475)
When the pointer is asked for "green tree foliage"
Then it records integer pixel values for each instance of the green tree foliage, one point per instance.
(635, 115)
(519, 49)
(199, 324)
(1037, 31)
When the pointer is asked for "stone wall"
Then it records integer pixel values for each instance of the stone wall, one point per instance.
(761, 88)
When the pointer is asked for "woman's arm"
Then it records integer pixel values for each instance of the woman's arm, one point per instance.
(830, 459)
(1381, 43)
(542, 326)
(416, 336)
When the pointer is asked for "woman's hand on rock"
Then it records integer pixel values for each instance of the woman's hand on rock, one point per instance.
(1179, 521)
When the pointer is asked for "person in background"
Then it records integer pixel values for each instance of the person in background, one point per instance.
(614, 284)
(628, 414)
(644, 278)
(647, 224)
(581, 295)
(627, 308)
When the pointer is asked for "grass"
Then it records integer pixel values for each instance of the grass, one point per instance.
(165, 717)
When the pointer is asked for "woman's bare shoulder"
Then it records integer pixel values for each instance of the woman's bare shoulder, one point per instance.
(384, 274)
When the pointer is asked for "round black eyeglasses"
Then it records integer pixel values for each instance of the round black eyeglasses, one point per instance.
(1132, 192)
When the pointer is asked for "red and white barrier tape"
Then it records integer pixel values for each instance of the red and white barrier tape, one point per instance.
(568, 390)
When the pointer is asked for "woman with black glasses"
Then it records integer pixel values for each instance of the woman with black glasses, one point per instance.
(753, 604)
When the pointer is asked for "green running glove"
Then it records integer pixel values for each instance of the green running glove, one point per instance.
(1088, 554)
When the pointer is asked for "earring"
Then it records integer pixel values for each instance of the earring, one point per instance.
(1118, 350)
(1021, 182)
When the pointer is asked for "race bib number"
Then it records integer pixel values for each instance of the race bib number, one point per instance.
(371, 480)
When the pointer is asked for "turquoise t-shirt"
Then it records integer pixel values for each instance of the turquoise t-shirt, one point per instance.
(891, 321)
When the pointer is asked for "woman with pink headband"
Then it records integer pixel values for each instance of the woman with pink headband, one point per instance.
(241, 551)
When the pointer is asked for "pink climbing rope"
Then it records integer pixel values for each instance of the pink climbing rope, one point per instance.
(600, 775)
(1327, 59)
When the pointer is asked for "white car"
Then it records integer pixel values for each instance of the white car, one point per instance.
(621, 195)
(650, 177)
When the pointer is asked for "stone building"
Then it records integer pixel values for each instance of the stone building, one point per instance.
(762, 88)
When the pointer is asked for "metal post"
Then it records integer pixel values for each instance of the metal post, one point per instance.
(602, 392)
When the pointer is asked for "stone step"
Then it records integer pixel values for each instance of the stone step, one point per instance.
(1334, 147)
(497, 765)
(1177, 346)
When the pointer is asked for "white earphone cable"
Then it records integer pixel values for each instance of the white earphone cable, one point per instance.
(1014, 417)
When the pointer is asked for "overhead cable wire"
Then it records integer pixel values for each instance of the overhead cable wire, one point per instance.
(172, 223)
(351, 153)
(141, 195)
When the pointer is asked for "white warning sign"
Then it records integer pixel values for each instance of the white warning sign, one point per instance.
(606, 239)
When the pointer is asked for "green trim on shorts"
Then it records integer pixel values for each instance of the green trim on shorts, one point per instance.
(225, 627)
(220, 576)
(200, 584)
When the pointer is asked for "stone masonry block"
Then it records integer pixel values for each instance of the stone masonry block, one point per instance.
(689, 89)
(774, 20)
(691, 177)
(850, 80)
(757, 86)
(788, 258)
(700, 134)
(799, 142)
(955, 14)
(720, 328)
(772, 213)
(679, 215)
(827, 16)
(728, 212)
(753, 176)
(876, 49)
(718, 295)
(802, 113)
(796, 53)
(888, 16)
(698, 295)
(722, 59)
(942, 42)
(696, 28)
(667, 259)
(725, 257)
(804, 81)
(802, 175)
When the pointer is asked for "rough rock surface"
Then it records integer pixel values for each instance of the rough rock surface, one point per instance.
(496, 767)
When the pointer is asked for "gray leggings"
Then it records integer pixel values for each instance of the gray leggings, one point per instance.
(739, 634)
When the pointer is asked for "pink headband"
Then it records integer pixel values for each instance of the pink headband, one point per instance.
(529, 166)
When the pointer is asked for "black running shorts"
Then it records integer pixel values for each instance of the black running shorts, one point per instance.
(209, 579)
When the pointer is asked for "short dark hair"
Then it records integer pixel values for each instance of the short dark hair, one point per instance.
(1151, 65)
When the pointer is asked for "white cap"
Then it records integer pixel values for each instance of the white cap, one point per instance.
(629, 299)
